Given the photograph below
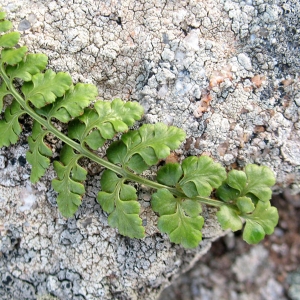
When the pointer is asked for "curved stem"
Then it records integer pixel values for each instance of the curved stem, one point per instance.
(54, 130)
(128, 175)
(174, 191)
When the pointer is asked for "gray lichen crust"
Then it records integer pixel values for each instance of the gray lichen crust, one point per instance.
(227, 72)
(79, 258)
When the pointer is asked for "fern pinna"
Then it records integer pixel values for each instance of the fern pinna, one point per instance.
(181, 189)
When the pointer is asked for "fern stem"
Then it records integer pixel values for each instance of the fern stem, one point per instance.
(126, 174)
(155, 185)
(211, 202)
(54, 130)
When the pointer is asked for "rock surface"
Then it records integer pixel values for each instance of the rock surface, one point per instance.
(224, 71)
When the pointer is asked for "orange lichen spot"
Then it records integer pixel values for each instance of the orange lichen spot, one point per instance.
(234, 166)
(222, 148)
(172, 158)
(259, 128)
(244, 110)
(206, 98)
(290, 178)
(246, 137)
(287, 82)
(188, 143)
(197, 143)
(248, 89)
(258, 80)
(218, 77)
(286, 101)
(232, 125)
(206, 153)
(272, 112)
(203, 105)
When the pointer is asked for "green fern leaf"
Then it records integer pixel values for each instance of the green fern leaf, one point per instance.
(30, 65)
(197, 176)
(119, 200)
(144, 147)
(45, 88)
(261, 222)
(245, 205)
(179, 218)
(5, 25)
(9, 40)
(229, 218)
(201, 175)
(10, 128)
(69, 183)
(169, 174)
(13, 56)
(38, 152)
(227, 193)
(254, 182)
(259, 181)
(97, 125)
(2, 15)
(249, 193)
(73, 103)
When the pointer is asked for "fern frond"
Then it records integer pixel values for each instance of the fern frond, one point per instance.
(46, 87)
(200, 176)
(5, 25)
(13, 56)
(10, 128)
(9, 40)
(120, 201)
(104, 121)
(50, 98)
(69, 182)
(179, 218)
(29, 66)
(144, 147)
(71, 104)
(38, 152)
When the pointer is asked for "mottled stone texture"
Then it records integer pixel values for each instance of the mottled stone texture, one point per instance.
(224, 71)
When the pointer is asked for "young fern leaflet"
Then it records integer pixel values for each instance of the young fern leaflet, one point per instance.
(49, 97)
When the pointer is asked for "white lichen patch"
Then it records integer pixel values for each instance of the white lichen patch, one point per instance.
(291, 151)
(27, 197)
